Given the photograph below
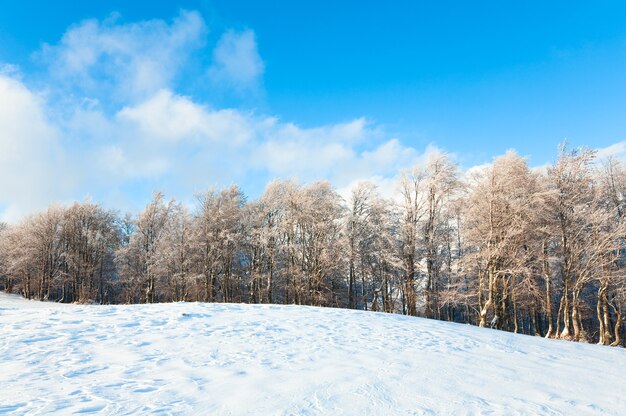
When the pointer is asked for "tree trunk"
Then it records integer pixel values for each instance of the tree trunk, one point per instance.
(546, 274)
(565, 309)
(515, 324)
(604, 331)
(411, 301)
(576, 324)
(270, 278)
(618, 327)
(150, 290)
(482, 307)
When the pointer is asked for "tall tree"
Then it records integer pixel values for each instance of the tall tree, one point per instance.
(413, 209)
(499, 217)
(218, 235)
(176, 254)
(89, 237)
(140, 253)
(440, 187)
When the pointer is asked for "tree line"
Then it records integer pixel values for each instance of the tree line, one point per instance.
(538, 252)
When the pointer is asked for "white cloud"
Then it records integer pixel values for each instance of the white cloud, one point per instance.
(617, 150)
(288, 149)
(385, 186)
(128, 164)
(204, 146)
(476, 172)
(384, 166)
(33, 168)
(124, 61)
(165, 116)
(236, 61)
(172, 143)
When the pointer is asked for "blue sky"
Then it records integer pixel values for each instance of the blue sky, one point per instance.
(120, 99)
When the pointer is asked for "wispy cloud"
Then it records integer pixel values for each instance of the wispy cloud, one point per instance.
(122, 61)
(236, 61)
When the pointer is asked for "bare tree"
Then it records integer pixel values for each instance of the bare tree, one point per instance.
(218, 234)
(373, 264)
(413, 209)
(176, 254)
(499, 215)
(89, 238)
(611, 295)
(140, 254)
(440, 186)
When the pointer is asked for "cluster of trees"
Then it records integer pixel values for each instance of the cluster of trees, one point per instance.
(539, 252)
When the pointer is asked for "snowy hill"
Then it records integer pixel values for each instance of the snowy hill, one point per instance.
(236, 359)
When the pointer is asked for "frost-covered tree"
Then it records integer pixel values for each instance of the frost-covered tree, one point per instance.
(611, 295)
(34, 253)
(413, 210)
(319, 244)
(441, 185)
(373, 264)
(89, 238)
(587, 238)
(269, 241)
(176, 255)
(5, 279)
(139, 257)
(218, 238)
(500, 210)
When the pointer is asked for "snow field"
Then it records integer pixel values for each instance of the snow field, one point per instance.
(233, 359)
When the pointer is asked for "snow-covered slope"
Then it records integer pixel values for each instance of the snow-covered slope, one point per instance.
(265, 359)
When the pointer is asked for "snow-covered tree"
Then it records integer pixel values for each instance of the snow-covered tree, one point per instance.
(139, 257)
(500, 211)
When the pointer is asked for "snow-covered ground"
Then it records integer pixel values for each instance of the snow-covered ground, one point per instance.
(236, 359)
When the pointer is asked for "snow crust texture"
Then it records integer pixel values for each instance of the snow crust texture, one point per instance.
(232, 359)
